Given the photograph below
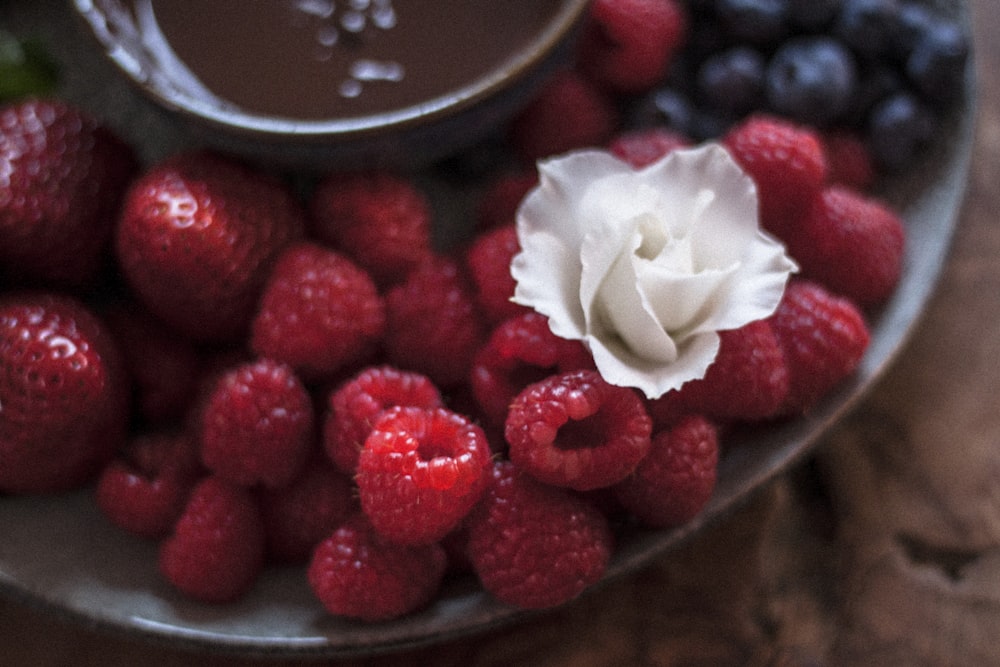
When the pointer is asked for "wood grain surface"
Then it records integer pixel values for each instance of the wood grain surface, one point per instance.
(883, 548)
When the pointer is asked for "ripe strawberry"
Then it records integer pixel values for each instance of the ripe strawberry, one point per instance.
(257, 425)
(216, 550)
(823, 337)
(196, 238)
(380, 220)
(63, 177)
(629, 44)
(786, 162)
(63, 394)
(569, 112)
(852, 244)
(319, 313)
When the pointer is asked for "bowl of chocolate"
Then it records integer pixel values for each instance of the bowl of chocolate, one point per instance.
(336, 84)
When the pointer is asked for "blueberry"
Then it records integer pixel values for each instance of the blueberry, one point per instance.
(753, 21)
(811, 79)
(812, 15)
(868, 26)
(937, 63)
(732, 80)
(899, 127)
(876, 82)
(914, 21)
(665, 106)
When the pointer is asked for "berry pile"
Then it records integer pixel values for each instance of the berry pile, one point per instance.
(251, 375)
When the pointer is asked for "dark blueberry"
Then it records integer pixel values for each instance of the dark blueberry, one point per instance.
(876, 82)
(937, 64)
(709, 123)
(915, 20)
(898, 129)
(812, 15)
(757, 22)
(811, 79)
(732, 80)
(868, 26)
(665, 106)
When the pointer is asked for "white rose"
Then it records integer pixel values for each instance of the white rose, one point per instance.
(647, 266)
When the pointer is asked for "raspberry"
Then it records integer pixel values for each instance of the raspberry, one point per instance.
(63, 394)
(145, 490)
(569, 112)
(380, 220)
(319, 313)
(356, 574)
(534, 545)
(823, 337)
(498, 204)
(488, 260)
(748, 381)
(163, 367)
(519, 352)
(674, 482)
(257, 425)
(576, 430)
(216, 550)
(641, 148)
(787, 164)
(852, 244)
(302, 514)
(356, 405)
(420, 473)
(629, 44)
(434, 326)
(848, 161)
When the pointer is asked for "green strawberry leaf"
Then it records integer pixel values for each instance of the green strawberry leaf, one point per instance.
(25, 68)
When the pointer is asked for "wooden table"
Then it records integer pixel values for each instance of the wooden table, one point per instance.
(882, 548)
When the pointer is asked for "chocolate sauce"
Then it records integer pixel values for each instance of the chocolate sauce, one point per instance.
(314, 59)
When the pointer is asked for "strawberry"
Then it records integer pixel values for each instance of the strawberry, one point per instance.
(787, 163)
(63, 177)
(196, 238)
(63, 395)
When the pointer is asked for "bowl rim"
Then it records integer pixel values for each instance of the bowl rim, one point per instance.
(112, 24)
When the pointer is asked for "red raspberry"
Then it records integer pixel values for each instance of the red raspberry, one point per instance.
(823, 336)
(569, 112)
(520, 351)
(257, 425)
(319, 313)
(216, 550)
(641, 148)
(534, 545)
(420, 473)
(197, 236)
(355, 573)
(629, 44)
(144, 491)
(786, 162)
(852, 244)
(848, 161)
(380, 220)
(488, 260)
(576, 430)
(63, 178)
(302, 514)
(674, 482)
(63, 394)
(498, 204)
(164, 367)
(356, 405)
(434, 326)
(748, 381)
